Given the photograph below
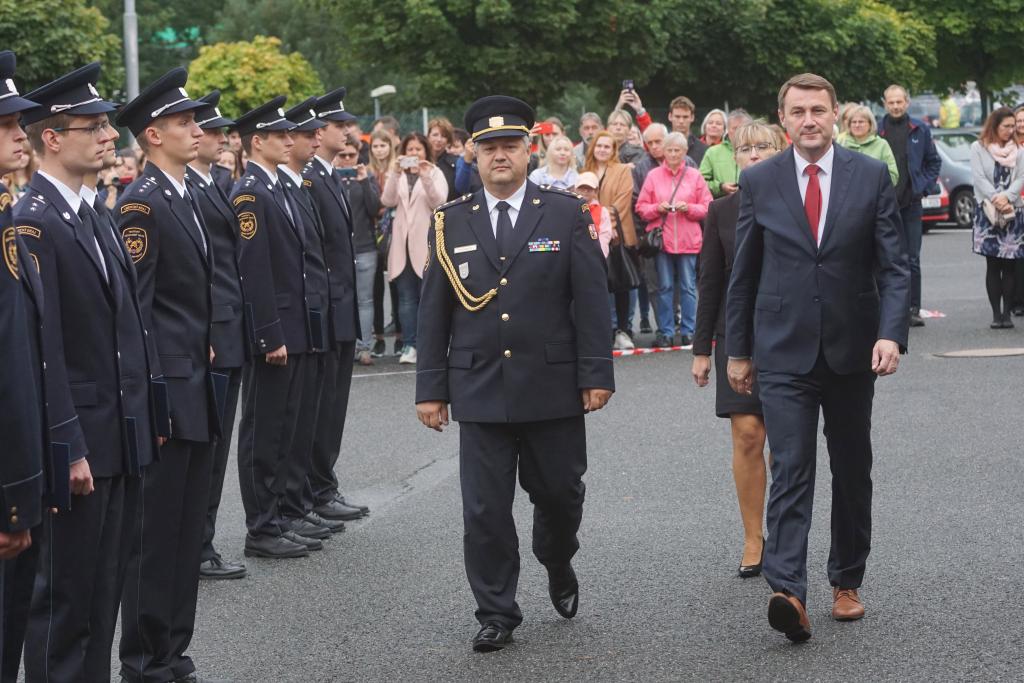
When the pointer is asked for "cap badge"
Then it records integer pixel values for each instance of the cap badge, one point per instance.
(10, 86)
(92, 89)
(341, 106)
(183, 93)
(312, 113)
(280, 112)
(496, 121)
(216, 110)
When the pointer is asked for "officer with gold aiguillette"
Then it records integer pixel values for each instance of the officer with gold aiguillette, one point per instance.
(513, 333)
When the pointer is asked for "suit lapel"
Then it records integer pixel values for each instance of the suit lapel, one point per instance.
(480, 223)
(842, 173)
(262, 177)
(529, 217)
(785, 178)
(180, 208)
(83, 236)
(106, 228)
(211, 193)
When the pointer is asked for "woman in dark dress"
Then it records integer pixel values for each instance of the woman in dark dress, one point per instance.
(753, 142)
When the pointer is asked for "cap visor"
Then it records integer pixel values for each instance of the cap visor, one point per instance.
(340, 116)
(13, 105)
(500, 134)
(187, 105)
(91, 109)
(219, 122)
(309, 126)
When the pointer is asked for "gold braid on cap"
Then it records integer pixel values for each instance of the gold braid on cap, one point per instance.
(469, 302)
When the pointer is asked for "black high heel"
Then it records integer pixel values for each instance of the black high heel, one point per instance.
(749, 571)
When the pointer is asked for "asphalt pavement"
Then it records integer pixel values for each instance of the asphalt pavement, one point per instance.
(661, 539)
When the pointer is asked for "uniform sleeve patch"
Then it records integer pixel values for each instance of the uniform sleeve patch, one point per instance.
(243, 198)
(247, 224)
(134, 206)
(593, 231)
(137, 242)
(307, 183)
(11, 251)
(5, 200)
(29, 231)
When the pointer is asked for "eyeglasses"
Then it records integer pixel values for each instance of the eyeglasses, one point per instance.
(348, 155)
(760, 147)
(91, 130)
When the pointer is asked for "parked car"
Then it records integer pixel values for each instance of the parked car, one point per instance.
(954, 147)
(935, 208)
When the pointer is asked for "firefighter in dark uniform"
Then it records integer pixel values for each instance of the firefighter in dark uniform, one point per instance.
(298, 499)
(335, 212)
(162, 227)
(282, 325)
(513, 333)
(98, 385)
(228, 335)
(23, 479)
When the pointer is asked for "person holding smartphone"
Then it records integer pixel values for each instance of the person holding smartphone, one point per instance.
(414, 187)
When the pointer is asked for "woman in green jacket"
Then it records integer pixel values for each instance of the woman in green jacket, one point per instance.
(863, 137)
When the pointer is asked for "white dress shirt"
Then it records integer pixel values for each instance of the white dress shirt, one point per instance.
(181, 193)
(206, 178)
(75, 202)
(515, 202)
(824, 181)
(295, 177)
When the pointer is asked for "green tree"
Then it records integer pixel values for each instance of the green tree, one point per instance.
(250, 73)
(52, 37)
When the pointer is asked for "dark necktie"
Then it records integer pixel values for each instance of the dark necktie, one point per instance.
(503, 234)
(282, 199)
(91, 223)
(196, 213)
(812, 200)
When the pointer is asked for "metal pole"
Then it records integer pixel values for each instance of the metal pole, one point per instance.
(425, 120)
(376, 108)
(131, 49)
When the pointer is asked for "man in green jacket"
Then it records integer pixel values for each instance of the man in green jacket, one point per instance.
(719, 164)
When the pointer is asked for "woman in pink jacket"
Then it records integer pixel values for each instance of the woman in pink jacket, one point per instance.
(414, 189)
(675, 198)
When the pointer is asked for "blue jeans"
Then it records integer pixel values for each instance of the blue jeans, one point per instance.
(366, 267)
(676, 270)
(912, 229)
(408, 285)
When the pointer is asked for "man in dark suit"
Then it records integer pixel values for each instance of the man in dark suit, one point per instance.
(162, 227)
(227, 333)
(519, 394)
(22, 473)
(98, 384)
(336, 217)
(818, 302)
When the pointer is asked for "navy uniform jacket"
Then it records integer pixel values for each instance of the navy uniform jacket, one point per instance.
(21, 410)
(228, 335)
(790, 299)
(222, 177)
(335, 213)
(272, 264)
(318, 294)
(175, 283)
(546, 334)
(88, 414)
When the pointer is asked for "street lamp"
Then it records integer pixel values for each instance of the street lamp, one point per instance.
(377, 93)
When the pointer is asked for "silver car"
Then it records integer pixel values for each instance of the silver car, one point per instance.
(954, 146)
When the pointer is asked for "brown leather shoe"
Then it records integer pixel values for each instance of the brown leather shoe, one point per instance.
(787, 615)
(846, 604)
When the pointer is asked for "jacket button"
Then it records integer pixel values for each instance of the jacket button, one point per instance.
(508, 353)
(503, 281)
(504, 317)
(817, 299)
(14, 509)
(14, 519)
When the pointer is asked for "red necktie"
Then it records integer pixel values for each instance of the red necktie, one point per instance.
(812, 200)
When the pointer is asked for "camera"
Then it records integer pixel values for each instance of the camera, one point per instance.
(407, 162)
(347, 172)
(627, 84)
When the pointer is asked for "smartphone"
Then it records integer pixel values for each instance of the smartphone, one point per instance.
(347, 172)
(546, 128)
(627, 84)
(408, 162)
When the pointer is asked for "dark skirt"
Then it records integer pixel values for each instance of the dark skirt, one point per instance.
(727, 401)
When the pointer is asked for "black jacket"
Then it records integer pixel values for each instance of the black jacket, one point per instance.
(175, 273)
(364, 199)
(716, 256)
(336, 217)
(228, 334)
(446, 162)
(272, 265)
(545, 336)
(318, 294)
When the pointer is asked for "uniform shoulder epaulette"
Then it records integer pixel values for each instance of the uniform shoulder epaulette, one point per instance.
(558, 190)
(145, 186)
(458, 200)
(35, 204)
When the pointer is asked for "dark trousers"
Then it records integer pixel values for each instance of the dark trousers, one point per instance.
(158, 607)
(297, 500)
(913, 230)
(791, 404)
(271, 399)
(220, 460)
(1018, 279)
(83, 556)
(17, 576)
(551, 457)
(330, 423)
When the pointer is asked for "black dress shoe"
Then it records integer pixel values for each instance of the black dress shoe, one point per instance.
(218, 568)
(304, 527)
(491, 638)
(341, 499)
(304, 541)
(338, 511)
(749, 571)
(335, 526)
(564, 590)
(1007, 322)
(277, 547)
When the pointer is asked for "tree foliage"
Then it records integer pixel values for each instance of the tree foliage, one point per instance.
(251, 73)
(53, 37)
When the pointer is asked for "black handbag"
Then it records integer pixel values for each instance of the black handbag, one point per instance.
(623, 268)
(650, 243)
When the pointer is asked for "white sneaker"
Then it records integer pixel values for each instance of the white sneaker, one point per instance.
(408, 356)
(622, 342)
